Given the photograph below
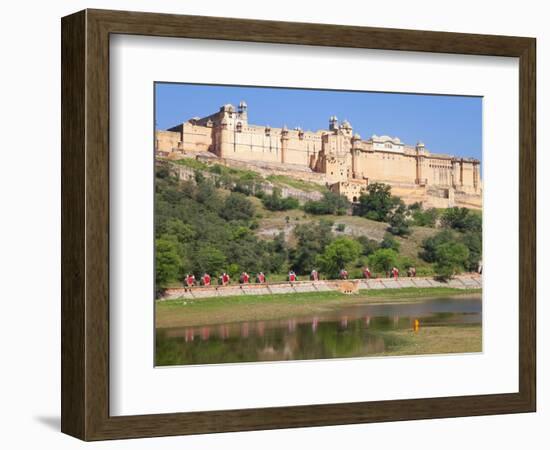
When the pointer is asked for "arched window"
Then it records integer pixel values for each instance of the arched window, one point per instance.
(239, 127)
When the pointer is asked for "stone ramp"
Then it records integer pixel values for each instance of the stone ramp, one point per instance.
(322, 286)
(229, 291)
(467, 281)
(405, 283)
(305, 286)
(422, 282)
(255, 289)
(390, 283)
(282, 288)
(471, 282)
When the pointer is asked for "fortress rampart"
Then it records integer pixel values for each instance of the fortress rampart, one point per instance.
(344, 161)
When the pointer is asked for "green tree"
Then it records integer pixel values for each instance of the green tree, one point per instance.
(182, 232)
(377, 203)
(382, 260)
(290, 203)
(337, 254)
(430, 244)
(237, 207)
(473, 240)
(277, 254)
(450, 259)
(389, 241)
(331, 203)
(209, 259)
(275, 202)
(423, 217)
(311, 240)
(167, 262)
(369, 246)
(399, 223)
(207, 194)
(461, 219)
(405, 262)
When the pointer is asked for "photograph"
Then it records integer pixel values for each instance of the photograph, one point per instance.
(253, 226)
(300, 224)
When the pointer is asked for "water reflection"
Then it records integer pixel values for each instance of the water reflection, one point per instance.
(350, 331)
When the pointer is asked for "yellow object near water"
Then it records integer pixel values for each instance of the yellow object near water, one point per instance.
(416, 325)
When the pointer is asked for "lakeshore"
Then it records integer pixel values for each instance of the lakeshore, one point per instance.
(397, 322)
(220, 310)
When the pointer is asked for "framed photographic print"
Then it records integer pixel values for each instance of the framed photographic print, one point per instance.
(272, 225)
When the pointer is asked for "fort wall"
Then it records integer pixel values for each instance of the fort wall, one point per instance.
(336, 156)
(167, 141)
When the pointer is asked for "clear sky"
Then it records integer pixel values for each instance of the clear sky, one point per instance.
(446, 124)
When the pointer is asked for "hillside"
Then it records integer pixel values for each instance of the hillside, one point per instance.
(212, 218)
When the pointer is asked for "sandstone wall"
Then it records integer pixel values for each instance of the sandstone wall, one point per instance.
(386, 166)
(253, 143)
(167, 141)
(196, 138)
(326, 157)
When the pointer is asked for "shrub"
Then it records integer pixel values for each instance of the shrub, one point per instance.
(341, 227)
(405, 262)
(390, 242)
(337, 254)
(430, 244)
(275, 202)
(237, 207)
(382, 260)
(377, 203)
(311, 241)
(369, 246)
(450, 259)
(167, 261)
(331, 203)
(399, 223)
(461, 219)
(473, 240)
(424, 218)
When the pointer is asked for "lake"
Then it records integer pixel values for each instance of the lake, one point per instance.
(347, 331)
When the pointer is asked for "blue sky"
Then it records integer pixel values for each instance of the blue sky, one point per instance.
(446, 124)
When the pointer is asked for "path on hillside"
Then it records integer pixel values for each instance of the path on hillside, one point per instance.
(467, 281)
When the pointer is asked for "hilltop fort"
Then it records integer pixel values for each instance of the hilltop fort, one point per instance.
(335, 157)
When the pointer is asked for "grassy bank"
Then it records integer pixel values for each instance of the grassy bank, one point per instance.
(218, 310)
(433, 340)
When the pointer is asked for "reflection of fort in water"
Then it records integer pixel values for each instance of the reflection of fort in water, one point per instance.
(335, 156)
(356, 330)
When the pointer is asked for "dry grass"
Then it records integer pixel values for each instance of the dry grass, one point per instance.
(274, 222)
(435, 340)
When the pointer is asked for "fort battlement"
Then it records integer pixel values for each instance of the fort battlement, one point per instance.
(335, 157)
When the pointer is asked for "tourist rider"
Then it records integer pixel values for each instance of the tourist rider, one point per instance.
(206, 280)
(225, 279)
(189, 280)
(245, 278)
(366, 273)
(395, 273)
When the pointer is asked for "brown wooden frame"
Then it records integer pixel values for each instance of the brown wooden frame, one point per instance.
(85, 224)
